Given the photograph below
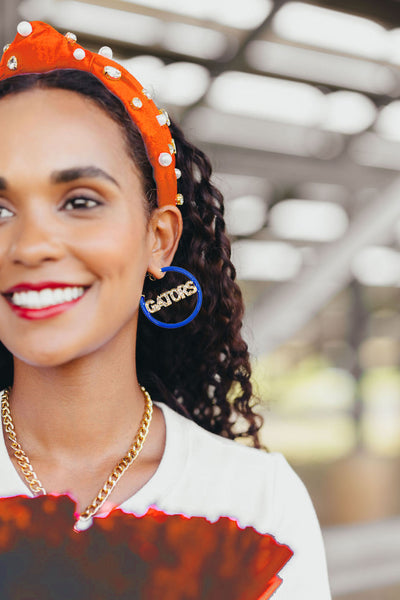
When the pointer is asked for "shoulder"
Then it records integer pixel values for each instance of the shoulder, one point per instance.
(254, 485)
(215, 451)
(211, 476)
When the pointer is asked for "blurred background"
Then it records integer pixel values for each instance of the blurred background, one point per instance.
(297, 105)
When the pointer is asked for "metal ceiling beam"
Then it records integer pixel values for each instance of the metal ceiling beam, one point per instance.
(237, 61)
(278, 316)
(385, 11)
(283, 169)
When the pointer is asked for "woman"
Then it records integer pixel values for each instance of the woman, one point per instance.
(93, 209)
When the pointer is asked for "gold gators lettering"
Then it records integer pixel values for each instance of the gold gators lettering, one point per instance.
(174, 295)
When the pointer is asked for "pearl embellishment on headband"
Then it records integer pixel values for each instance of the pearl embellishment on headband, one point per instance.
(136, 102)
(178, 173)
(112, 72)
(147, 94)
(12, 63)
(71, 37)
(79, 54)
(6, 47)
(24, 28)
(106, 51)
(165, 159)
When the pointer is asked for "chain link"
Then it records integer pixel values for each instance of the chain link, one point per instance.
(22, 459)
(125, 461)
(115, 475)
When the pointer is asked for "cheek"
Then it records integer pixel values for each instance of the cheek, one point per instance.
(8, 233)
(114, 252)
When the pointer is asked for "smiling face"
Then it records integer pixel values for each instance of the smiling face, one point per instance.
(75, 237)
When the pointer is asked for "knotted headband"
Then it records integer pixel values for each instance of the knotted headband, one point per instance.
(38, 48)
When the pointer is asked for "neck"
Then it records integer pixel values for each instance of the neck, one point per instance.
(76, 410)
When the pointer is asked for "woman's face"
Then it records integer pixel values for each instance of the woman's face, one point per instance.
(75, 240)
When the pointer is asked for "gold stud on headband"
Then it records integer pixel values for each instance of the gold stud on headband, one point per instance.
(12, 63)
(136, 103)
(112, 72)
(163, 118)
(71, 37)
(172, 147)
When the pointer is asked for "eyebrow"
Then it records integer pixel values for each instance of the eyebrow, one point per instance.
(68, 175)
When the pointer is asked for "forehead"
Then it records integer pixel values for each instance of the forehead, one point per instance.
(58, 128)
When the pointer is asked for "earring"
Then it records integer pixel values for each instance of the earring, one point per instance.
(174, 295)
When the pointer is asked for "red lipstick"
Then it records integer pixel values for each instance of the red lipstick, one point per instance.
(44, 312)
(41, 285)
(33, 314)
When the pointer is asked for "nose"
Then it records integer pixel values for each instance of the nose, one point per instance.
(34, 241)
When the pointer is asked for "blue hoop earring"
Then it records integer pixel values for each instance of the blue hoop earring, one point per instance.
(190, 317)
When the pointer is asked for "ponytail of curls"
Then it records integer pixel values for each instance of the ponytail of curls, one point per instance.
(198, 367)
(202, 369)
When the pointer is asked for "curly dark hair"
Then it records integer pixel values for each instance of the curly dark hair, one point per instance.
(203, 369)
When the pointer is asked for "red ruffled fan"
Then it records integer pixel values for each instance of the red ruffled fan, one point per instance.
(124, 557)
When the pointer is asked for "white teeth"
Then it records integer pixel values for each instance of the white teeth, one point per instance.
(46, 297)
(32, 299)
(58, 296)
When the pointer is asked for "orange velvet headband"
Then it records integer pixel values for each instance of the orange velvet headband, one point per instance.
(38, 48)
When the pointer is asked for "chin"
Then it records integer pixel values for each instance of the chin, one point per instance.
(43, 359)
(42, 355)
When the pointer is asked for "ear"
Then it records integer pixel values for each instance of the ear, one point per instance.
(165, 228)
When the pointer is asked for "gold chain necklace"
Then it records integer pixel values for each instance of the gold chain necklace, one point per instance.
(86, 517)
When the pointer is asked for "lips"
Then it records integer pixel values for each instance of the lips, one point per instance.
(44, 299)
(41, 285)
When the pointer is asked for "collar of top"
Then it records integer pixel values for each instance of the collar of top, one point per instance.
(39, 48)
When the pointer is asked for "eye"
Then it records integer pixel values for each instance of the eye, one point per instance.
(5, 213)
(81, 203)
